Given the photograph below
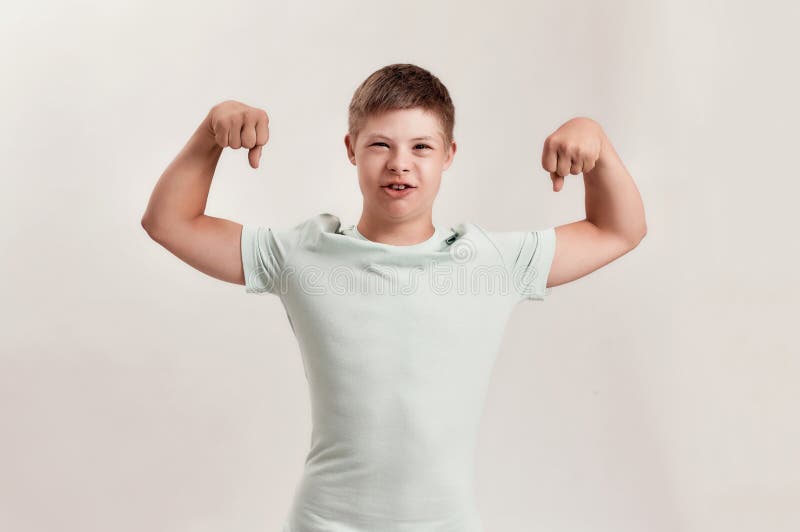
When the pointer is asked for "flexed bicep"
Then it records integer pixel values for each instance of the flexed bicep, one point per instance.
(581, 248)
(209, 244)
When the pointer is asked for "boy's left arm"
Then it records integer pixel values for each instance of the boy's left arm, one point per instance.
(615, 220)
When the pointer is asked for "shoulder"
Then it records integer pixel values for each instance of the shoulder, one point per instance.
(282, 239)
(312, 227)
(489, 241)
(512, 245)
(324, 222)
(473, 243)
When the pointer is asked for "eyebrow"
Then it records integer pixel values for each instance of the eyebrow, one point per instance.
(382, 136)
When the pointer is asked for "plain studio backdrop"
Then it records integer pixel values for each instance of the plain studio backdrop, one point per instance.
(657, 394)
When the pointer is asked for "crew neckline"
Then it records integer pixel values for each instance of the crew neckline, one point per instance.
(424, 244)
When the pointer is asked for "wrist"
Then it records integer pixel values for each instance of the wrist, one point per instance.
(605, 158)
(203, 138)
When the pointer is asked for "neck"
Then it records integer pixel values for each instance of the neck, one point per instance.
(396, 232)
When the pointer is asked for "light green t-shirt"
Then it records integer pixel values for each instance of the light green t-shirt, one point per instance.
(397, 344)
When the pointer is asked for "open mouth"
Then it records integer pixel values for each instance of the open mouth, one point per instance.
(398, 191)
(398, 187)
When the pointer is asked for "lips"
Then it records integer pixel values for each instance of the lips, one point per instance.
(392, 184)
(399, 193)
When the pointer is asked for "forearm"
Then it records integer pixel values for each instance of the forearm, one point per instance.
(182, 190)
(613, 203)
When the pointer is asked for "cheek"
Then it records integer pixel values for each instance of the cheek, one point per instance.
(369, 182)
(371, 166)
(432, 185)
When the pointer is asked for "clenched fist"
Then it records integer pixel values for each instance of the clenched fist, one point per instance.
(575, 147)
(236, 125)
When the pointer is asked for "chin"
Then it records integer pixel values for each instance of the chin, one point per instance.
(399, 212)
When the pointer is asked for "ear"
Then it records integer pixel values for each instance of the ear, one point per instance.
(350, 149)
(449, 160)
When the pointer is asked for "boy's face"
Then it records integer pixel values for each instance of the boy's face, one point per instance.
(388, 149)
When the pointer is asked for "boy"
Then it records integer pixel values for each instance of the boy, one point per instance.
(398, 319)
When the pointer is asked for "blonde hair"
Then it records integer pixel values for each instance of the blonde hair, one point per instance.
(401, 86)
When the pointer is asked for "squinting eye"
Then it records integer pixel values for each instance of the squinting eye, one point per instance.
(423, 145)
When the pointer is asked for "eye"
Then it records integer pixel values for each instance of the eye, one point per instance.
(383, 143)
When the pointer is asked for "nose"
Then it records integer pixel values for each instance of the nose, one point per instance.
(399, 162)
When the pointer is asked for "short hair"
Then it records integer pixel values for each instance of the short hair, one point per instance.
(401, 86)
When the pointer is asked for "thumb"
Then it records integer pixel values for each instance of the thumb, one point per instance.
(254, 155)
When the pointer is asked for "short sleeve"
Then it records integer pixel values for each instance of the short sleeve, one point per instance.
(527, 256)
(264, 251)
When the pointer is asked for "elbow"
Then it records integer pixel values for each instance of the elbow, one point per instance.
(639, 235)
(149, 225)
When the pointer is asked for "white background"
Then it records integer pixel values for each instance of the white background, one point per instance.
(657, 394)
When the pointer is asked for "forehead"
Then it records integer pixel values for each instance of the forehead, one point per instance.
(411, 124)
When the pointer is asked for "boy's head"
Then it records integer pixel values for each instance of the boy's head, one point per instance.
(400, 129)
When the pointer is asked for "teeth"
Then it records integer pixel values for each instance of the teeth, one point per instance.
(398, 187)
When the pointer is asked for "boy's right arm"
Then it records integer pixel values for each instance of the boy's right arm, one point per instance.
(175, 215)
